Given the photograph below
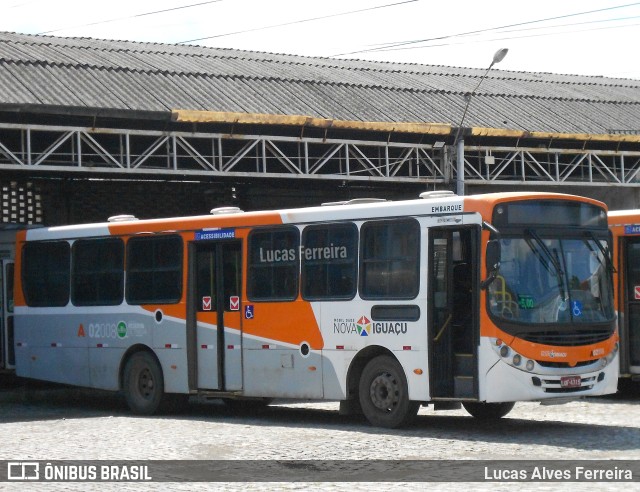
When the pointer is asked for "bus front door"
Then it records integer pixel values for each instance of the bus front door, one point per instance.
(453, 322)
(7, 350)
(630, 332)
(217, 268)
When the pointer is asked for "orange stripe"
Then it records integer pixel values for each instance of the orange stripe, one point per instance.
(287, 322)
(195, 223)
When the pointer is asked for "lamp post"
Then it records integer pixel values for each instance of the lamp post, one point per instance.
(458, 142)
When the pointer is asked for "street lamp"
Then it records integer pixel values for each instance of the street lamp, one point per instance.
(459, 142)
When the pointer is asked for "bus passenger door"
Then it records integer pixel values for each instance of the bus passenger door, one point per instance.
(630, 335)
(7, 349)
(218, 272)
(452, 304)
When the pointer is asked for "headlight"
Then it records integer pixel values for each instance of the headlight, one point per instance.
(612, 355)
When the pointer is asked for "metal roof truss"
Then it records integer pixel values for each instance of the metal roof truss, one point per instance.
(172, 155)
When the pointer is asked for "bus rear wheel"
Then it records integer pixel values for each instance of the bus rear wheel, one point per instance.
(488, 411)
(143, 384)
(384, 394)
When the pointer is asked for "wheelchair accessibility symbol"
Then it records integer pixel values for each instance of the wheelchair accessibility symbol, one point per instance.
(248, 311)
(576, 308)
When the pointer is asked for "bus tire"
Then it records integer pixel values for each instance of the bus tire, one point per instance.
(488, 411)
(143, 384)
(384, 393)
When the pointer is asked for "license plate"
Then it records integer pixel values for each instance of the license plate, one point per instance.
(570, 381)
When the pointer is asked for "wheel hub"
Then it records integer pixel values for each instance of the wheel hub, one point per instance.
(384, 392)
(145, 383)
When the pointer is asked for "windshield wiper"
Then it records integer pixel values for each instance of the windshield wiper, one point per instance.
(538, 255)
(603, 250)
(554, 260)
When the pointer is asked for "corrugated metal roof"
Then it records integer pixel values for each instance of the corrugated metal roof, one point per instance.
(93, 73)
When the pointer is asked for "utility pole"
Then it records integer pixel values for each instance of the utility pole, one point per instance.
(458, 142)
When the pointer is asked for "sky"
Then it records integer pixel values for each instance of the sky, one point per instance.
(584, 37)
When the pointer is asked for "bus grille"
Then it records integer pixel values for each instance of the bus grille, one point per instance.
(564, 365)
(567, 338)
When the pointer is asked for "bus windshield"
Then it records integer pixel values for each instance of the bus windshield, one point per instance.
(552, 280)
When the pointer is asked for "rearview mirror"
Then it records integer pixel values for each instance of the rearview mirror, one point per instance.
(494, 252)
(492, 262)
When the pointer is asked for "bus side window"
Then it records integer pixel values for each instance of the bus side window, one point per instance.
(273, 264)
(154, 270)
(329, 262)
(97, 273)
(45, 273)
(633, 267)
(389, 259)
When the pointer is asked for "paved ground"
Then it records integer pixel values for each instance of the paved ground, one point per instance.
(44, 423)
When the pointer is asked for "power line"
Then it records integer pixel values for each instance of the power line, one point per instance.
(131, 16)
(556, 33)
(300, 21)
(555, 26)
(440, 45)
(387, 46)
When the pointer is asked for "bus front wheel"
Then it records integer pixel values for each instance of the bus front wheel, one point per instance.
(384, 394)
(143, 384)
(488, 411)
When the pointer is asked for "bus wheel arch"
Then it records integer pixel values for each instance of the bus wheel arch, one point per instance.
(383, 391)
(125, 358)
(354, 374)
(142, 380)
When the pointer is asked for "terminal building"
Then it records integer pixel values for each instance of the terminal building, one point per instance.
(93, 128)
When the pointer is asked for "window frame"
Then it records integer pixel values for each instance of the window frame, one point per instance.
(364, 261)
(131, 273)
(252, 266)
(326, 264)
(27, 278)
(100, 271)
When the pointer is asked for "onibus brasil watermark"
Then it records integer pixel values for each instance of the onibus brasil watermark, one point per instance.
(321, 471)
(55, 472)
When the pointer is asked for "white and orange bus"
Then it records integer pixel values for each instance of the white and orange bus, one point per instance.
(625, 227)
(480, 300)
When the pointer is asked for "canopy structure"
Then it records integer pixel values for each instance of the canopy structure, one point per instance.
(122, 110)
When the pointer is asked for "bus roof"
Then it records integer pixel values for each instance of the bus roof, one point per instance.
(430, 203)
(624, 221)
(618, 215)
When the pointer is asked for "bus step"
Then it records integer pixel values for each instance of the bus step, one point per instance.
(463, 386)
(463, 365)
(447, 405)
